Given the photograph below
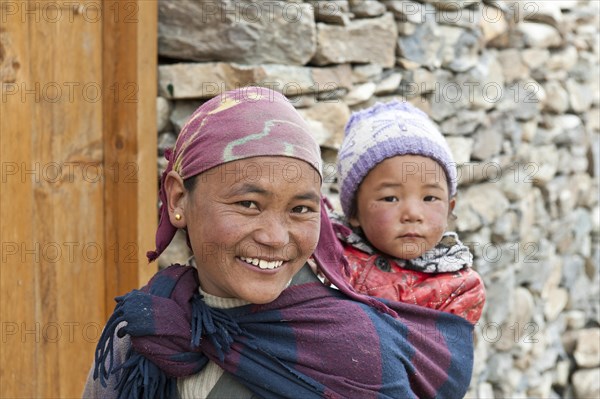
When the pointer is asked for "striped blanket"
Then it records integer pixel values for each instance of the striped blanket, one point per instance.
(312, 342)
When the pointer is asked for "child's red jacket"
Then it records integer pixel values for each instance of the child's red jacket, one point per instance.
(460, 292)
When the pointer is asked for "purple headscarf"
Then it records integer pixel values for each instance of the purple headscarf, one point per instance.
(242, 123)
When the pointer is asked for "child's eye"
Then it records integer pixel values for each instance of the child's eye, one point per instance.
(301, 209)
(390, 198)
(248, 204)
(430, 198)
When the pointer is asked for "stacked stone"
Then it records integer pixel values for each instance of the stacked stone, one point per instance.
(513, 85)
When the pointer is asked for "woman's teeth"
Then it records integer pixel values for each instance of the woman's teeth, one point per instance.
(261, 263)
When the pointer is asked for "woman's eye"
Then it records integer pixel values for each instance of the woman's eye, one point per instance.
(301, 209)
(430, 198)
(248, 204)
(390, 198)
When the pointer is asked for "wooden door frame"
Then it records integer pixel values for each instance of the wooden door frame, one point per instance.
(129, 54)
(39, 298)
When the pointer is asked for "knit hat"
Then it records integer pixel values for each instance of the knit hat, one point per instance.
(238, 124)
(384, 131)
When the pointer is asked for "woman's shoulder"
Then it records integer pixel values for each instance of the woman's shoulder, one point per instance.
(93, 387)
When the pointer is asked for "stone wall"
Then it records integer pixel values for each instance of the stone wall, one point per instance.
(513, 86)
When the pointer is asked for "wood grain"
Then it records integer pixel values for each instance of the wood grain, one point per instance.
(78, 193)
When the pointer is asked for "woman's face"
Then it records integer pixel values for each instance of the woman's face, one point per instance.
(252, 225)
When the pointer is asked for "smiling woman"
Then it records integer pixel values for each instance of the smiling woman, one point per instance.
(248, 317)
(266, 225)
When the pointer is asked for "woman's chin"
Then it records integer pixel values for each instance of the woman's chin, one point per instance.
(263, 297)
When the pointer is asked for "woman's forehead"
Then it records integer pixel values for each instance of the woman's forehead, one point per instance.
(260, 171)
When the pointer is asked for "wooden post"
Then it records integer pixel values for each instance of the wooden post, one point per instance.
(130, 141)
(78, 181)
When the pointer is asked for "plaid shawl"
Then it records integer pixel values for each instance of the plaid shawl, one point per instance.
(311, 342)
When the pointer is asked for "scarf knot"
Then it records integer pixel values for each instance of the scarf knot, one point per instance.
(166, 327)
(216, 325)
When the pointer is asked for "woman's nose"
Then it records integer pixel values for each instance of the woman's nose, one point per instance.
(272, 231)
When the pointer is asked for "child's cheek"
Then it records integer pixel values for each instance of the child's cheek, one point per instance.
(381, 215)
(438, 221)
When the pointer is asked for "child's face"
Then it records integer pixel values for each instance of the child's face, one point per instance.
(403, 206)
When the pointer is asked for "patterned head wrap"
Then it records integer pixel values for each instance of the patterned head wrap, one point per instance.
(238, 124)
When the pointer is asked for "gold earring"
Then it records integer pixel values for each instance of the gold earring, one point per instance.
(177, 216)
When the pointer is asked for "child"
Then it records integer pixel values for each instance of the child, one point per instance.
(397, 188)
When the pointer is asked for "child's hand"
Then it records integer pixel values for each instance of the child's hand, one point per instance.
(315, 269)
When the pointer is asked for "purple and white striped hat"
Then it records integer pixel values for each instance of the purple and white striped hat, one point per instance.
(384, 131)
